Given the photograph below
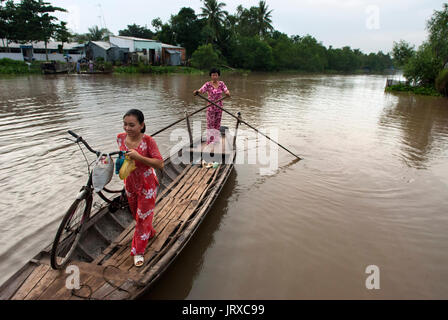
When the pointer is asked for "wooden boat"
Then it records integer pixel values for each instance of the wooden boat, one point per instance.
(97, 72)
(54, 67)
(106, 270)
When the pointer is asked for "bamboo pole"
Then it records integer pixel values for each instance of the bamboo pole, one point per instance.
(184, 118)
(242, 121)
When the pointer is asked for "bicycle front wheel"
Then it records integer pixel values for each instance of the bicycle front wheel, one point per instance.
(69, 232)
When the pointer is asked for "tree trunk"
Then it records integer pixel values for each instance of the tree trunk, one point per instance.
(46, 51)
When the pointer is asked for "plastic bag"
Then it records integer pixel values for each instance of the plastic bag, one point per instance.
(119, 162)
(127, 167)
(102, 172)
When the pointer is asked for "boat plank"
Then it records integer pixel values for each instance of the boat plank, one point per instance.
(115, 259)
(40, 287)
(189, 211)
(49, 293)
(31, 282)
(190, 175)
(85, 291)
(178, 178)
(196, 183)
(160, 215)
(160, 241)
(127, 263)
(201, 186)
(193, 179)
(180, 208)
(103, 291)
(125, 291)
(11, 289)
(107, 289)
(200, 190)
(175, 188)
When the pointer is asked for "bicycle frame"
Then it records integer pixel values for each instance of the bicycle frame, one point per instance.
(87, 190)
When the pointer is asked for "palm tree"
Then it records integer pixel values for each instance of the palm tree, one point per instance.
(97, 34)
(264, 19)
(212, 11)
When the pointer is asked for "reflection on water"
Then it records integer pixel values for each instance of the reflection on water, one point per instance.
(424, 128)
(372, 188)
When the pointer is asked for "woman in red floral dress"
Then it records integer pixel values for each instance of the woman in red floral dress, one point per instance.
(141, 184)
(214, 89)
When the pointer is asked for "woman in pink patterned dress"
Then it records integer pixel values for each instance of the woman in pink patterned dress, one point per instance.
(214, 89)
(141, 184)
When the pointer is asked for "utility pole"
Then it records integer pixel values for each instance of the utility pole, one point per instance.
(102, 15)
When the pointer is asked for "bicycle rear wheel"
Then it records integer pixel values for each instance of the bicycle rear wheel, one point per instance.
(69, 232)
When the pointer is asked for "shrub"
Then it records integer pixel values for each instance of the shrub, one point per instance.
(204, 57)
(442, 82)
(422, 90)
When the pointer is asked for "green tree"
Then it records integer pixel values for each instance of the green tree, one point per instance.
(247, 21)
(442, 82)
(205, 57)
(33, 22)
(80, 37)
(62, 34)
(187, 28)
(402, 51)
(7, 11)
(438, 33)
(214, 15)
(263, 19)
(134, 30)
(423, 67)
(97, 34)
(252, 53)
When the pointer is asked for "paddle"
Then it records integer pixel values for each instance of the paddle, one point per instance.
(180, 120)
(242, 121)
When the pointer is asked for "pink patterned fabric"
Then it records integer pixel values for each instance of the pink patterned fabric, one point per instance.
(141, 191)
(214, 114)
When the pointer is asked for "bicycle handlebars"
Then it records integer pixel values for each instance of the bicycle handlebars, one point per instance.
(80, 139)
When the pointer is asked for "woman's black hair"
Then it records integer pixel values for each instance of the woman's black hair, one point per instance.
(139, 115)
(214, 70)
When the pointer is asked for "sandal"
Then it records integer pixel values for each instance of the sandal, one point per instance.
(138, 260)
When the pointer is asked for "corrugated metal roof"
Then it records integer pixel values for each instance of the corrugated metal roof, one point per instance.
(103, 44)
(164, 45)
(135, 38)
(41, 45)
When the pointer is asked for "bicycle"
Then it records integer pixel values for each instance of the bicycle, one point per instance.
(71, 228)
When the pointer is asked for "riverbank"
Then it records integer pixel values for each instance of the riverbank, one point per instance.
(9, 66)
(142, 69)
(419, 90)
(13, 67)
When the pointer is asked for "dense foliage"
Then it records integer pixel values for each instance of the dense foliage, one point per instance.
(30, 20)
(427, 66)
(248, 40)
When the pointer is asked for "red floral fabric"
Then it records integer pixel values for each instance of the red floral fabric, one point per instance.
(214, 114)
(141, 191)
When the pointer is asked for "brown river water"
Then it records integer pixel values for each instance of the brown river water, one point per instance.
(372, 188)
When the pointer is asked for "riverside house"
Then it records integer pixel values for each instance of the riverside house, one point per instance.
(35, 51)
(151, 51)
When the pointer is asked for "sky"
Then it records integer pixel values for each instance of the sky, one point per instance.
(368, 25)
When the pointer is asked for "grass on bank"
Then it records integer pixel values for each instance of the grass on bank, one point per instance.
(426, 91)
(155, 69)
(148, 69)
(9, 66)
